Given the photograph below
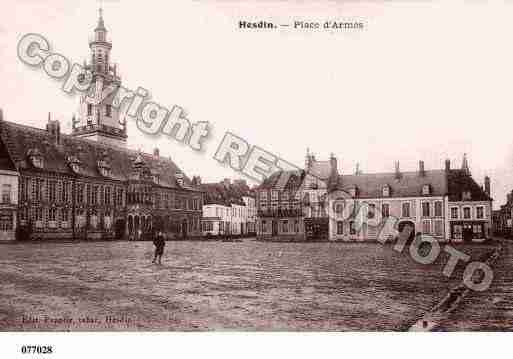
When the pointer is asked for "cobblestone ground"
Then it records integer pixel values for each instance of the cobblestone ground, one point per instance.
(490, 310)
(217, 286)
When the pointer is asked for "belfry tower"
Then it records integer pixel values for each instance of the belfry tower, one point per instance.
(96, 120)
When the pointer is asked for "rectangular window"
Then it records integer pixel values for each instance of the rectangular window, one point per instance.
(38, 214)
(454, 213)
(88, 193)
(94, 195)
(340, 227)
(439, 228)
(352, 229)
(274, 195)
(108, 196)
(64, 215)
(385, 210)
(23, 189)
(406, 209)
(426, 209)
(6, 193)
(285, 226)
(264, 226)
(52, 190)
(466, 212)
(40, 184)
(80, 193)
(65, 192)
(438, 209)
(108, 110)
(296, 226)
(480, 212)
(119, 197)
(52, 214)
(89, 109)
(426, 227)
(371, 211)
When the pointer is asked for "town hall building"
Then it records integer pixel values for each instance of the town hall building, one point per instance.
(88, 185)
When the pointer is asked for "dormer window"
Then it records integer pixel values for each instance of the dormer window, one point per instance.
(104, 168)
(35, 157)
(426, 190)
(74, 163)
(466, 196)
(179, 178)
(353, 191)
(386, 191)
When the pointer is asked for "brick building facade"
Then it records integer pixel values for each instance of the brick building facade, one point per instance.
(88, 184)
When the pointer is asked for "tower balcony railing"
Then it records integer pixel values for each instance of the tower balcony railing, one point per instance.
(106, 39)
(101, 127)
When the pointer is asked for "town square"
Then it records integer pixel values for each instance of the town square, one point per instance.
(329, 212)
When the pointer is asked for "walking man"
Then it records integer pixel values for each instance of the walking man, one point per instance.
(159, 244)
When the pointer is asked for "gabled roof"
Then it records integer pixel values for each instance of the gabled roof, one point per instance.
(20, 139)
(459, 181)
(294, 179)
(321, 169)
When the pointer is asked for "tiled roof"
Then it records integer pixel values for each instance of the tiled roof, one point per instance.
(408, 184)
(20, 139)
(460, 182)
(294, 180)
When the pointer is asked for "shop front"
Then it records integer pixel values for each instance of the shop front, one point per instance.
(468, 231)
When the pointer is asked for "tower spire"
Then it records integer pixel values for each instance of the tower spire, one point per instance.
(101, 24)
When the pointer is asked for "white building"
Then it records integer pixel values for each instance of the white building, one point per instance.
(229, 209)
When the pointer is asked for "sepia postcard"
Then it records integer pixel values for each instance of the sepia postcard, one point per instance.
(254, 166)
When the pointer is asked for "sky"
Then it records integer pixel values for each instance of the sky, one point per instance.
(422, 81)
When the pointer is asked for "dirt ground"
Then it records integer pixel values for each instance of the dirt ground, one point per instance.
(251, 285)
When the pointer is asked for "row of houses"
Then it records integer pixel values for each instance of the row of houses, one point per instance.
(320, 203)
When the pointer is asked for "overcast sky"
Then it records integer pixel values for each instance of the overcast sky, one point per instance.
(422, 81)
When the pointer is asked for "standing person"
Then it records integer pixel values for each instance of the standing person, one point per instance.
(159, 244)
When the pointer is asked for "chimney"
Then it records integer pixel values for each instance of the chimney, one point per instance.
(226, 182)
(54, 128)
(1, 114)
(156, 152)
(196, 180)
(447, 165)
(397, 171)
(422, 172)
(179, 178)
(357, 170)
(487, 185)
(333, 163)
(508, 196)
